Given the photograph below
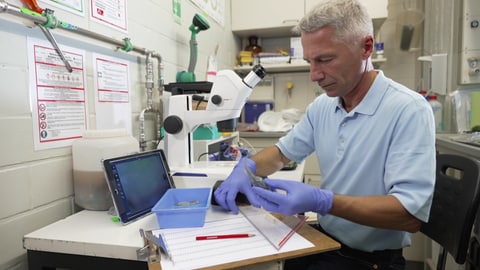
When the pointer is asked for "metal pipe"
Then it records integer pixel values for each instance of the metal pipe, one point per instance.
(14, 10)
(142, 137)
(47, 22)
(149, 84)
(161, 72)
(50, 21)
(161, 87)
(149, 79)
(142, 140)
(149, 87)
(56, 47)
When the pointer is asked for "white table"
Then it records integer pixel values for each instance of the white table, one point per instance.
(91, 240)
(219, 170)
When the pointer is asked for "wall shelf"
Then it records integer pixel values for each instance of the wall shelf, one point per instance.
(296, 67)
(277, 68)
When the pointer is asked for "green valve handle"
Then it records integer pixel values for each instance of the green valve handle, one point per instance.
(30, 12)
(51, 22)
(128, 45)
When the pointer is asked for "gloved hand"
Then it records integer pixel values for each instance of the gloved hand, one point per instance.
(299, 198)
(237, 181)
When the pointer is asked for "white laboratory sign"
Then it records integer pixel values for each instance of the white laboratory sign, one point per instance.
(73, 6)
(58, 97)
(112, 93)
(215, 9)
(112, 13)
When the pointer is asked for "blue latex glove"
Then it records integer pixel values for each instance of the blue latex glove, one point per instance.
(237, 181)
(299, 198)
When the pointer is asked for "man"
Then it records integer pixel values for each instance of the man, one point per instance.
(374, 140)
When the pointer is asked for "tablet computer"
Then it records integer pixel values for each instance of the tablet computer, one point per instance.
(137, 182)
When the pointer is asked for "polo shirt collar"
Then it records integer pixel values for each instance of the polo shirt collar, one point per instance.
(372, 99)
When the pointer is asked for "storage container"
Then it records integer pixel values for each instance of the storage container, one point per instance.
(90, 187)
(253, 110)
(183, 207)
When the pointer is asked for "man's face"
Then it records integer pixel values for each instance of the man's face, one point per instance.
(334, 65)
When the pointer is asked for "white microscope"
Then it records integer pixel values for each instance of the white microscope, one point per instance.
(225, 101)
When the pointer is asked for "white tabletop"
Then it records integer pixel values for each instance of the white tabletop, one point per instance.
(93, 233)
(219, 170)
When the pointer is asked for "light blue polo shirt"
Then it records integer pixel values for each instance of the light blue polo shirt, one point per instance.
(386, 145)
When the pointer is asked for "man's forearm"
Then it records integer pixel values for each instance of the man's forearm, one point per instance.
(376, 211)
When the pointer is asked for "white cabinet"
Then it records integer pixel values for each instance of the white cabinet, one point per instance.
(276, 18)
(311, 171)
(256, 141)
(266, 17)
(376, 8)
(312, 179)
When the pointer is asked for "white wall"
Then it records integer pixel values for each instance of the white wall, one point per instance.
(36, 187)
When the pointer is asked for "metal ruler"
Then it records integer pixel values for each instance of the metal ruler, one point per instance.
(276, 230)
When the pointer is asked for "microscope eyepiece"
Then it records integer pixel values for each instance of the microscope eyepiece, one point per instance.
(254, 76)
(260, 71)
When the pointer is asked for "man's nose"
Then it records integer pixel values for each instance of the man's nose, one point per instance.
(316, 73)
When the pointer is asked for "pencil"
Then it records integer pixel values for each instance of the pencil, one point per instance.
(224, 236)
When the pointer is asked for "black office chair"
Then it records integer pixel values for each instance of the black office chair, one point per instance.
(455, 204)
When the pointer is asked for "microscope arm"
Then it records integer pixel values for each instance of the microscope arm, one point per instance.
(226, 100)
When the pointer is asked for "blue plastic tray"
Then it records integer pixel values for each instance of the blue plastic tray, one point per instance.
(183, 207)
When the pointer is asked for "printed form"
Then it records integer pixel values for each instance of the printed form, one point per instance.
(187, 253)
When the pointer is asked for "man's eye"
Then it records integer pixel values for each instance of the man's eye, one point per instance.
(324, 60)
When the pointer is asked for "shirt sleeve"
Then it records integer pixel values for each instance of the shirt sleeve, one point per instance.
(411, 162)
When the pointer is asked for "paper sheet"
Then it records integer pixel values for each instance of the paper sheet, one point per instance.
(187, 253)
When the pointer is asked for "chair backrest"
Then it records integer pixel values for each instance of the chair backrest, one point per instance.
(455, 204)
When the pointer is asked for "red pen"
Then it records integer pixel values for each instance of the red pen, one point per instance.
(224, 236)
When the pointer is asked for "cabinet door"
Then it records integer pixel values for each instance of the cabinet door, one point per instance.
(376, 8)
(312, 179)
(265, 14)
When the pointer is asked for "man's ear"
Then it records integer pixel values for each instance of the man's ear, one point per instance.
(368, 45)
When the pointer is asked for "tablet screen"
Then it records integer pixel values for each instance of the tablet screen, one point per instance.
(137, 182)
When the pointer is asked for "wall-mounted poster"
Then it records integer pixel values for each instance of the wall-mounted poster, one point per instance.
(213, 8)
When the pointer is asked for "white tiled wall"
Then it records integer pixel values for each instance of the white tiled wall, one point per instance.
(36, 187)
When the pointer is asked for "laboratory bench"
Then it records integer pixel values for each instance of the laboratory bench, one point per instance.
(91, 240)
(262, 134)
(445, 143)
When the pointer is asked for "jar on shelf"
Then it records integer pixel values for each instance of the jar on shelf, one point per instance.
(253, 45)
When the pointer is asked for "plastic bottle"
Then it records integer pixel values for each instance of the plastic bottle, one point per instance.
(211, 69)
(379, 48)
(212, 66)
(90, 187)
(424, 93)
(437, 112)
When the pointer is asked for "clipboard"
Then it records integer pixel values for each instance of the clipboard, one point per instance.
(187, 253)
(276, 229)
